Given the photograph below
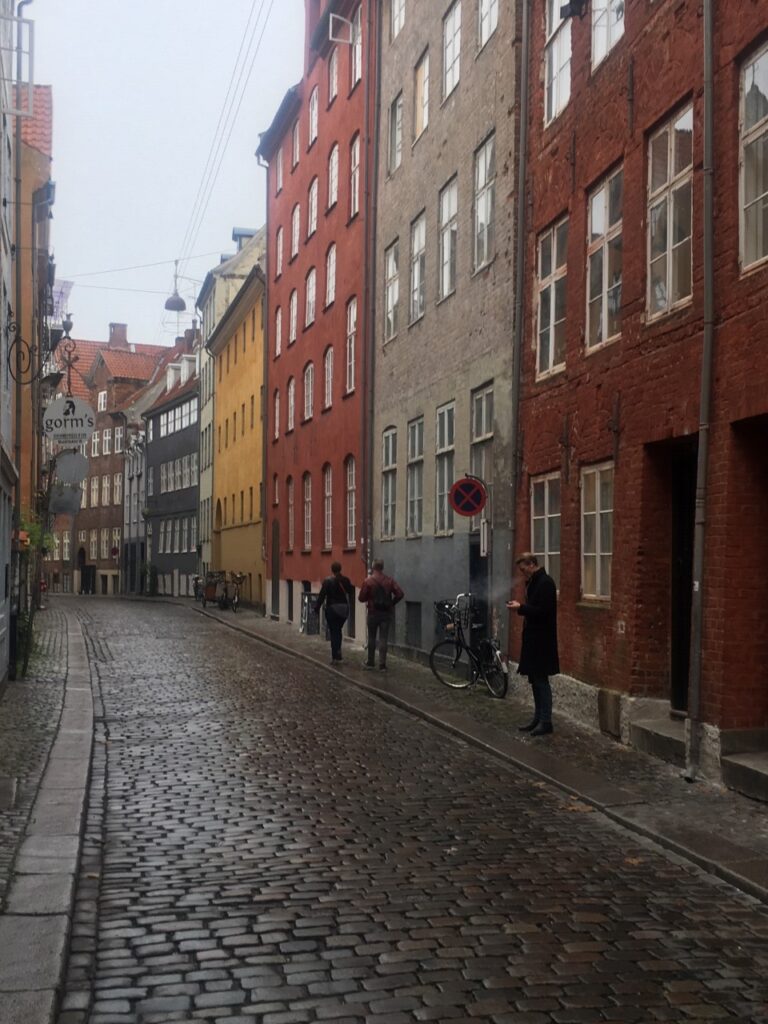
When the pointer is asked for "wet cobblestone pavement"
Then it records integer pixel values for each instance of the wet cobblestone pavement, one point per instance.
(29, 714)
(275, 846)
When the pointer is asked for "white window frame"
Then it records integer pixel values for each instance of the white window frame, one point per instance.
(395, 137)
(668, 198)
(481, 436)
(333, 176)
(445, 438)
(333, 75)
(354, 177)
(356, 51)
(93, 545)
(351, 500)
(310, 305)
(601, 552)
(327, 507)
(279, 251)
(557, 61)
(388, 483)
(293, 316)
(104, 544)
(276, 414)
(291, 413)
(330, 274)
(314, 105)
(417, 305)
(278, 331)
(65, 546)
(101, 402)
(119, 432)
(599, 245)
(279, 171)
(391, 289)
(309, 391)
(306, 488)
(421, 95)
(610, 30)
(95, 436)
(291, 512)
(106, 442)
(414, 484)
(448, 214)
(349, 382)
(328, 378)
(94, 492)
(451, 48)
(117, 489)
(551, 281)
(396, 18)
(312, 207)
(487, 20)
(751, 136)
(484, 236)
(544, 546)
(295, 144)
(295, 229)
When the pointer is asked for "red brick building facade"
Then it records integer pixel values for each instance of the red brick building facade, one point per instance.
(612, 356)
(318, 150)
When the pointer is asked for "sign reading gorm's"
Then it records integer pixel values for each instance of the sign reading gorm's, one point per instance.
(68, 422)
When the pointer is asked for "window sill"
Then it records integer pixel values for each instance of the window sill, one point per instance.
(594, 604)
(331, 207)
(306, 419)
(327, 408)
(446, 297)
(420, 136)
(329, 305)
(483, 267)
(311, 144)
(292, 258)
(390, 339)
(413, 536)
(482, 47)
(753, 268)
(353, 217)
(289, 431)
(306, 551)
(310, 234)
(307, 326)
(555, 371)
(331, 101)
(448, 95)
(348, 394)
(591, 349)
(349, 550)
(416, 320)
(441, 534)
(354, 87)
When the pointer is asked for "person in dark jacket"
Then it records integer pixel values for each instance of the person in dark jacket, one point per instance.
(380, 593)
(336, 593)
(538, 656)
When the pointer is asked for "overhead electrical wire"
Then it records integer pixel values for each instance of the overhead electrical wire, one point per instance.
(139, 266)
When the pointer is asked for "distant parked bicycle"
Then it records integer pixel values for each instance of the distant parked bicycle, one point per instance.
(456, 660)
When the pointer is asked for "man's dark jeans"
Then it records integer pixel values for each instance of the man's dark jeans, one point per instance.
(542, 698)
(378, 623)
(335, 626)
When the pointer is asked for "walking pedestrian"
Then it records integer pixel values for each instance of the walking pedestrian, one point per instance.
(538, 655)
(381, 593)
(336, 593)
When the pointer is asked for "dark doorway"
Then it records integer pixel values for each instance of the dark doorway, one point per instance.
(289, 584)
(683, 510)
(275, 568)
(478, 580)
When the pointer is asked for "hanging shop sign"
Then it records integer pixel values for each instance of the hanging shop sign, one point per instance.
(71, 468)
(68, 422)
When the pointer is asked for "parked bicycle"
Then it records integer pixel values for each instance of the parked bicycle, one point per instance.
(459, 662)
(223, 588)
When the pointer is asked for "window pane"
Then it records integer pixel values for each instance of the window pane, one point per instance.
(615, 197)
(588, 491)
(545, 255)
(658, 225)
(659, 160)
(614, 285)
(590, 574)
(539, 499)
(554, 533)
(681, 225)
(561, 243)
(597, 215)
(539, 535)
(605, 576)
(756, 91)
(606, 489)
(683, 141)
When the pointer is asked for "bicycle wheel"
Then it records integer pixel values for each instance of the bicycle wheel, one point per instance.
(496, 679)
(451, 664)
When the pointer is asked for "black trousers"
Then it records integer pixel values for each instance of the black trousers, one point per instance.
(542, 698)
(378, 623)
(335, 626)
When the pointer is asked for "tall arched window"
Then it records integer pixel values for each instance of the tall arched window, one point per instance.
(276, 415)
(349, 469)
(279, 252)
(291, 516)
(295, 229)
(309, 390)
(313, 109)
(328, 378)
(312, 208)
(351, 340)
(293, 315)
(307, 481)
(333, 176)
(330, 274)
(278, 331)
(291, 419)
(327, 507)
(333, 75)
(275, 490)
(354, 176)
(309, 312)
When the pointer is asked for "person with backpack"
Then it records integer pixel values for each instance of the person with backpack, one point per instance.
(381, 593)
(336, 593)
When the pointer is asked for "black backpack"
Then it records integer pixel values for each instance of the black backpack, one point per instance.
(380, 597)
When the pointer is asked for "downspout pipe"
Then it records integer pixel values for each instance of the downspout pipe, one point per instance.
(520, 227)
(705, 404)
(369, 273)
(265, 318)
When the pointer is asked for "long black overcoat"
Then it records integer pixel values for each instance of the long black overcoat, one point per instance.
(538, 656)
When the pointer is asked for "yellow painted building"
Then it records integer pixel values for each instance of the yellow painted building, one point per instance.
(237, 348)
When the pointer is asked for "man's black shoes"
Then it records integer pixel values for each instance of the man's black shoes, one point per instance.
(529, 726)
(542, 729)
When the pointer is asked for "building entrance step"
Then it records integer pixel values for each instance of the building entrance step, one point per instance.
(661, 737)
(747, 773)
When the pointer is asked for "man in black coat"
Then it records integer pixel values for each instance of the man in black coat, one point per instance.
(337, 593)
(538, 656)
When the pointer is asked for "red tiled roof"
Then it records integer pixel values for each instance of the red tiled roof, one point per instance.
(37, 131)
(130, 365)
(176, 392)
(85, 352)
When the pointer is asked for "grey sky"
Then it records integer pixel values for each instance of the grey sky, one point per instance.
(138, 88)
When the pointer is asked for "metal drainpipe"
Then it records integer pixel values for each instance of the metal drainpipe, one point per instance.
(705, 403)
(369, 280)
(517, 348)
(266, 544)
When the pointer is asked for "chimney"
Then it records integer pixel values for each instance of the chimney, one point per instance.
(118, 335)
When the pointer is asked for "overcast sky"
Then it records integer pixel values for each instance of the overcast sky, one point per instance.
(138, 89)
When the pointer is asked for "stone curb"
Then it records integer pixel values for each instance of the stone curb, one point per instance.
(35, 928)
(741, 867)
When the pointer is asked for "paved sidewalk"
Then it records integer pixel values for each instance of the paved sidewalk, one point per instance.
(718, 829)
